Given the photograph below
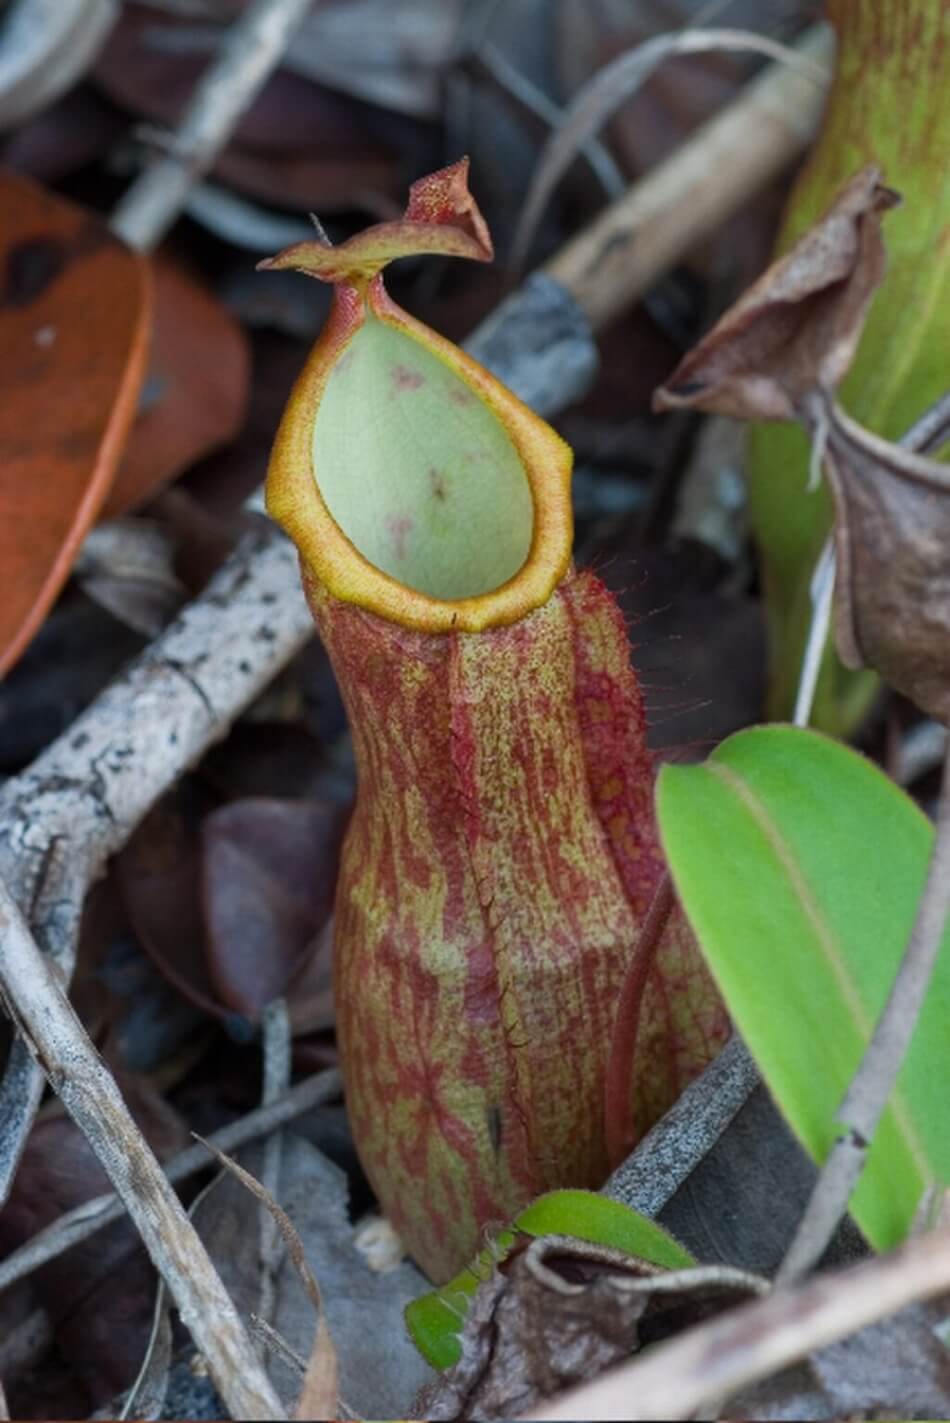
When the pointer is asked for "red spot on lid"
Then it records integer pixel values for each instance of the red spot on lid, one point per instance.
(399, 526)
(405, 379)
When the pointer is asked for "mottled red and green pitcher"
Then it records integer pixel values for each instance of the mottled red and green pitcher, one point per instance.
(493, 990)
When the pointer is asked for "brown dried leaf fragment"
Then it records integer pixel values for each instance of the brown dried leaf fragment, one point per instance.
(892, 537)
(778, 354)
(798, 326)
(562, 1310)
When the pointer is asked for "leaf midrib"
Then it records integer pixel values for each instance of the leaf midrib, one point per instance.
(827, 940)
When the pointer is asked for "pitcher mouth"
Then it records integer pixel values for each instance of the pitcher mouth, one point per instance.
(474, 535)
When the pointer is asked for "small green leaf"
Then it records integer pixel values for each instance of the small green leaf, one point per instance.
(800, 865)
(435, 1319)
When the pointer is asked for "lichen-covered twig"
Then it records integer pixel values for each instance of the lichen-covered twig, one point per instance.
(79, 801)
(673, 1149)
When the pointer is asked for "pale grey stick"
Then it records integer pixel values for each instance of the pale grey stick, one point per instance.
(89, 1093)
(872, 1084)
(766, 126)
(151, 1383)
(251, 49)
(599, 159)
(86, 1219)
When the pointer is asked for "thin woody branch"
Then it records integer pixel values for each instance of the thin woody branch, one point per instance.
(89, 1093)
(251, 49)
(78, 803)
(94, 1215)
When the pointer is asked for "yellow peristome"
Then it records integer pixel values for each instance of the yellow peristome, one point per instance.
(295, 500)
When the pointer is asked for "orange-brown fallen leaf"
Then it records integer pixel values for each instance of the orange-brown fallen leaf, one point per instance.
(798, 326)
(196, 389)
(74, 318)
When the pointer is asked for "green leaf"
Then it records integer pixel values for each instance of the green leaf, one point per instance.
(436, 1318)
(800, 865)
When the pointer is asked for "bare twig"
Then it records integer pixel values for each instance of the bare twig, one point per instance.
(147, 1394)
(618, 81)
(537, 102)
(89, 1092)
(273, 1340)
(251, 49)
(275, 1029)
(921, 750)
(85, 1220)
(78, 803)
(678, 1379)
(611, 263)
(867, 1096)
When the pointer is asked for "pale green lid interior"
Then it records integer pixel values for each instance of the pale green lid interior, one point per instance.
(416, 469)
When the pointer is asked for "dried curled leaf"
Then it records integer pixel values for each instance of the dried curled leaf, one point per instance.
(892, 532)
(889, 104)
(562, 1310)
(779, 353)
(798, 326)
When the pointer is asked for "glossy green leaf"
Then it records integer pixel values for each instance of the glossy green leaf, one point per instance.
(435, 1319)
(800, 865)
